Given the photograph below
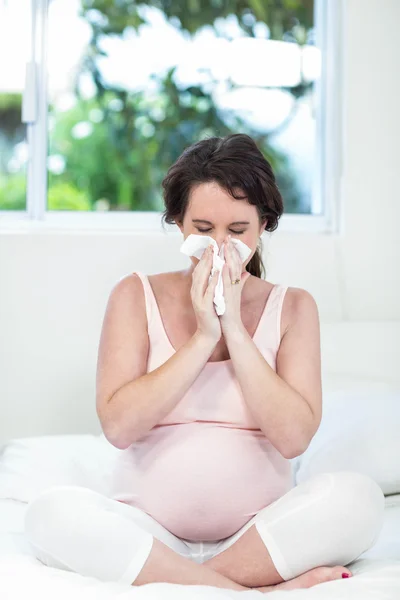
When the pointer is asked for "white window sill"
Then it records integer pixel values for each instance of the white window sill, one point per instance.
(78, 222)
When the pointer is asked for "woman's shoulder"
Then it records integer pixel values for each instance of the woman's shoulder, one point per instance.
(298, 299)
(298, 304)
(156, 279)
(137, 282)
(292, 294)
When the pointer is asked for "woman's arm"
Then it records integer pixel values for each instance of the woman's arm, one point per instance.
(130, 401)
(139, 405)
(287, 404)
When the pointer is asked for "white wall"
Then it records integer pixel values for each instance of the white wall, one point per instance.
(54, 285)
(370, 248)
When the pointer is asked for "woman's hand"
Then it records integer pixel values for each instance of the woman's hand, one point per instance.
(202, 295)
(231, 271)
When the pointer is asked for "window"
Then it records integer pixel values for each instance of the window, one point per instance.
(14, 54)
(134, 85)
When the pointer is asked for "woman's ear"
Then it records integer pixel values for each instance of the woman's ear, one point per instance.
(263, 226)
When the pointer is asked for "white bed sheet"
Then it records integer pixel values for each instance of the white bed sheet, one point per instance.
(376, 574)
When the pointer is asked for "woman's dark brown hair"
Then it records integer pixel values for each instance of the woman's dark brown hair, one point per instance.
(239, 167)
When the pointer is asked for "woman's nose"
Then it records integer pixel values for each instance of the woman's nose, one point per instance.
(220, 241)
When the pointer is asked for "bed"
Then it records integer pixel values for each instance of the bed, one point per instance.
(366, 440)
(376, 574)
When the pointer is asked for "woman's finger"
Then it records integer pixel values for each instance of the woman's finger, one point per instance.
(231, 269)
(203, 271)
(234, 261)
(211, 286)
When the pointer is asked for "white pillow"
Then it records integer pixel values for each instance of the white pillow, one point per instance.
(359, 431)
(30, 465)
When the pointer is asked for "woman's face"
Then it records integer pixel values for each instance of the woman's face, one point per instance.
(212, 211)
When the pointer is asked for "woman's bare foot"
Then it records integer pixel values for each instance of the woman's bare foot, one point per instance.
(308, 579)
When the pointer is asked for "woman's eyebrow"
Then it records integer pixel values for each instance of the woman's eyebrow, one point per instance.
(209, 222)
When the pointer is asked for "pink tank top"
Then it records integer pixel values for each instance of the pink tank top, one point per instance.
(207, 468)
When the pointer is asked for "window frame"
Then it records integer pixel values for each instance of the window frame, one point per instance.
(328, 148)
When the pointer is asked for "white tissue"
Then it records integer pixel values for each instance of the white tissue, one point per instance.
(195, 245)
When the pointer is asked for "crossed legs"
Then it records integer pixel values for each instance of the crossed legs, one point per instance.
(329, 520)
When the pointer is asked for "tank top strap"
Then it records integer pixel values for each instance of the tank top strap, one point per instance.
(269, 329)
(280, 293)
(148, 297)
(160, 346)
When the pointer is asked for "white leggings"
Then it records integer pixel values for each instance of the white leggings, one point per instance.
(328, 520)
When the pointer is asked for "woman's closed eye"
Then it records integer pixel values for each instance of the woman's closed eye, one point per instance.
(207, 230)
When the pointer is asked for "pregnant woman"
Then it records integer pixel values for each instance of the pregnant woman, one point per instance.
(207, 410)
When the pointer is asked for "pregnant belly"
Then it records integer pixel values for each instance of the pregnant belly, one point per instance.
(204, 481)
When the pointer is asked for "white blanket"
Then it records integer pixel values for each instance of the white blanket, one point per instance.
(376, 574)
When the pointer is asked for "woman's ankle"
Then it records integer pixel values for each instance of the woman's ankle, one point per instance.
(163, 565)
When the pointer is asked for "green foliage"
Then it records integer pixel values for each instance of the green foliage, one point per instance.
(10, 117)
(8, 101)
(64, 196)
(191, 15)
(189, 114)
(12, 192)
(118, 145)
(127, 153)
